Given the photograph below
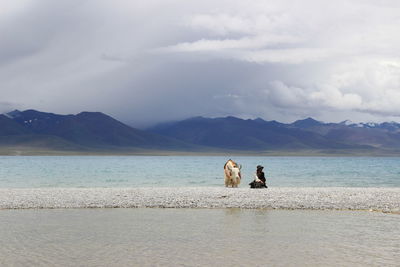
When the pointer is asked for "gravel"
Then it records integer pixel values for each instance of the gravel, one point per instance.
(312, 198)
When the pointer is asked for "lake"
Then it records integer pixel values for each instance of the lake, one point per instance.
(176, 171)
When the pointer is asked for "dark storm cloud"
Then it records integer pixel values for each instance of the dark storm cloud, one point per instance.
(145, 62)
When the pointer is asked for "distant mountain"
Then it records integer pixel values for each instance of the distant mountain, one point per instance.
(307, 134)
(235, 133)
(10, 127)
(390, 126)
(96, 131)
(384, 135)
(85, 130)
(307, 123)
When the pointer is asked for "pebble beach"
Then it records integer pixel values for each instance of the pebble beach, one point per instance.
(324, 198)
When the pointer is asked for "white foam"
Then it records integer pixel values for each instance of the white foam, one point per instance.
(379, 199)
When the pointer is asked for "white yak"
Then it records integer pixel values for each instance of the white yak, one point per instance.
(232, 173)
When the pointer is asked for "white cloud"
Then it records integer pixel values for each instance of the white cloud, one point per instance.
(225, 24)
(288, 32)
(332, 97)
(232, 44)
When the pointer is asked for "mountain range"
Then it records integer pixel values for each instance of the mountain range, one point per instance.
(260, 135)
(96, 131)
(86, 131)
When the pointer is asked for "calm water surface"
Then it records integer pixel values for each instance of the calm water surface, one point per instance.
(197, 237)
(135, 171)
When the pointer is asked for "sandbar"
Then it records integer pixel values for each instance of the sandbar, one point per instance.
(312, 198)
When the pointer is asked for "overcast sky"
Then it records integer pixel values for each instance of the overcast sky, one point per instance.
(149, 61)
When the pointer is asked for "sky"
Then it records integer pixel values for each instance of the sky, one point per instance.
(145, 62)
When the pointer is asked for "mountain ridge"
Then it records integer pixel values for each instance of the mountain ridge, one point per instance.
(93, 131)
(87, 130)
(307, 133)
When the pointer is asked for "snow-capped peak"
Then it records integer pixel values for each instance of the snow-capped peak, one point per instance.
(347, 122)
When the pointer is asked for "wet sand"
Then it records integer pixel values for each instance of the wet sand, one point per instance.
(373, 199)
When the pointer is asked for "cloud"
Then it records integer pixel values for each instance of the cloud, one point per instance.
(334, 98)
(224, 44)
(225, 24)
(284, 96)
(6, 106)
(373, 89)
(145, 62)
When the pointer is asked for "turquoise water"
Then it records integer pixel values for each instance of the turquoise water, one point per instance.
(165, 171)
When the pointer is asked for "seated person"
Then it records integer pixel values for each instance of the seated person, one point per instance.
(259, 179)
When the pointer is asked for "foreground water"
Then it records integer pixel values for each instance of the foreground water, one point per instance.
(175, 171)
(197, 237)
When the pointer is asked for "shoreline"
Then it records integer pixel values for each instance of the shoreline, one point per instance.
(287, 198)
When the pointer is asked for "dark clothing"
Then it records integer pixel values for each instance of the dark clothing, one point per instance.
(260, 175)
(255, 184)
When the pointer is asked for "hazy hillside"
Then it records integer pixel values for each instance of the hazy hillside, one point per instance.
(11, 127)
(235, 133)
(384, 135)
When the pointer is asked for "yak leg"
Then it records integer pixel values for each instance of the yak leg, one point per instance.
(226, 181)
(236, 182)
(227, 178)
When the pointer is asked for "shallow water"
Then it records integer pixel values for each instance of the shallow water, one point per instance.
(143, 171)
(198, 237)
